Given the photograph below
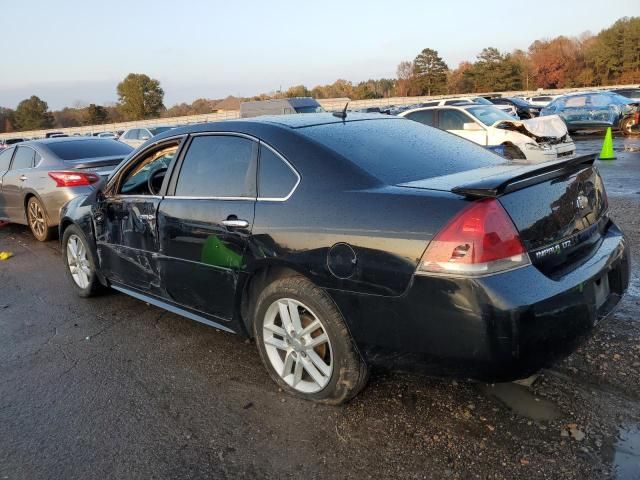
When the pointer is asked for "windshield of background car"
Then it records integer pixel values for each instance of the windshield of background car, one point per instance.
(481, 101)
(399, 150)
(77, 149)
(157, 130)
(518, 101)
(310, 109)
(489, 115)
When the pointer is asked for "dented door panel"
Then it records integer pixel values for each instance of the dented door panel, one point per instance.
(127, 241)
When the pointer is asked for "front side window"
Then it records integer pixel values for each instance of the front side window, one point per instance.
(5, 159)
(218, 166)
(452, 120)
(422, 116)
(276, 179)
(23, 159)
(146, 175)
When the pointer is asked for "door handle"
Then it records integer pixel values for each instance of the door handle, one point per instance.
(235, 223)
(23, 177)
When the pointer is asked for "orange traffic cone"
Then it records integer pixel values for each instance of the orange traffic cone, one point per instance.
(607, 147)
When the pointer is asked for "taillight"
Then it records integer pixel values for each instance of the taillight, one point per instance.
(73, 179)
(480, 240)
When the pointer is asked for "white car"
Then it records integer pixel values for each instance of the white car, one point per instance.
(510, 109)
(541, 100)
(137, 136)
(536, 140)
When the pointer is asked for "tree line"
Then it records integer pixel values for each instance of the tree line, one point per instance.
(610, 57)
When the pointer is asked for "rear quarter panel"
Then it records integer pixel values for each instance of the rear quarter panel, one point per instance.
(388, 230)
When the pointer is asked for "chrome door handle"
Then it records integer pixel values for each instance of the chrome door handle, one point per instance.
(147, 217)
(23, 178)
(235, 223)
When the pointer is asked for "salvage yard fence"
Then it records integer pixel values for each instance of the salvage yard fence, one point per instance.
(330, 104)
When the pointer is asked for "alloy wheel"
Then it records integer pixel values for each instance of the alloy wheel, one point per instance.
(78, 261)
(297, 345)
(37, 220)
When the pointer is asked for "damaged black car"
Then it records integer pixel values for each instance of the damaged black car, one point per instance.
(346, 241)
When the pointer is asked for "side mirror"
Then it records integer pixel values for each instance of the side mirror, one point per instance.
(144, 138)
(471, 126)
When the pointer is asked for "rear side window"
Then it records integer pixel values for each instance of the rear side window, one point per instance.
(23, 159)
(218, 166)
(275, 178)
(397, 150)
(424, 116)
(95, 148)
(5, 159)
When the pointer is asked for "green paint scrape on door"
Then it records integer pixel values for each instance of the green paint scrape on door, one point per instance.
(216, 253)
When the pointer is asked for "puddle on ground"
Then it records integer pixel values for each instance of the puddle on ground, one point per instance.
(521, 401)
(626, 454)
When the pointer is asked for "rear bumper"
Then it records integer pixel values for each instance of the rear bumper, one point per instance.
(498, 327)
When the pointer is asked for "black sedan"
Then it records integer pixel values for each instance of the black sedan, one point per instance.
(524, 109)
(340, 243)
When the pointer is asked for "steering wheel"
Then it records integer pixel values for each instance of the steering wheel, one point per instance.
(154, 181)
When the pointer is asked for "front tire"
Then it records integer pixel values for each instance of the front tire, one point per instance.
(79, 262)
(37, 219)
(304, 342)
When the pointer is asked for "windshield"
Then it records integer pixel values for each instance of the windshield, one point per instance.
(489, 115)
(518, 101)
(619, 99)
(481, 101)
(156, 130)
(77, 149)
(310, 109)
(398, 150)
(629, 93)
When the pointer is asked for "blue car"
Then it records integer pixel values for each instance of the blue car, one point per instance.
(590, 110)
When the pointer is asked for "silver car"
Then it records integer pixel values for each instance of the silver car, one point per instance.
(137, 136)
(38, 177)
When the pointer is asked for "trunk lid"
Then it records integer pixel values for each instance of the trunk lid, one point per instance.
(559, 207)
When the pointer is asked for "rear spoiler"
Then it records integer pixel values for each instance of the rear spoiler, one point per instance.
(500, 184)
(82, 163)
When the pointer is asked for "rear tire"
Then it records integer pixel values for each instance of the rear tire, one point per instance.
(79, 262)
(304, 343)
(38, 221)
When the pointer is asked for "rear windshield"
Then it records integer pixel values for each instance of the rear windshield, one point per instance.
(77, 149)
(399, 150)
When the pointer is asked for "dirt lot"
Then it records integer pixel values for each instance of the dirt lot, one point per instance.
(113, 388)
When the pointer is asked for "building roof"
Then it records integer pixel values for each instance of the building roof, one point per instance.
(229, 103)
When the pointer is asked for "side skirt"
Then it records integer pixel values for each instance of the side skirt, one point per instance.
(171, 308)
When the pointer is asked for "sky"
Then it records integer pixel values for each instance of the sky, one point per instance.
(75, 52)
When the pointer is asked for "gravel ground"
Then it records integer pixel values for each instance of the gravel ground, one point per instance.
(113, 388)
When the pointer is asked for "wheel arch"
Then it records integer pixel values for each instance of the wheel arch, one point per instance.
(257, 279)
